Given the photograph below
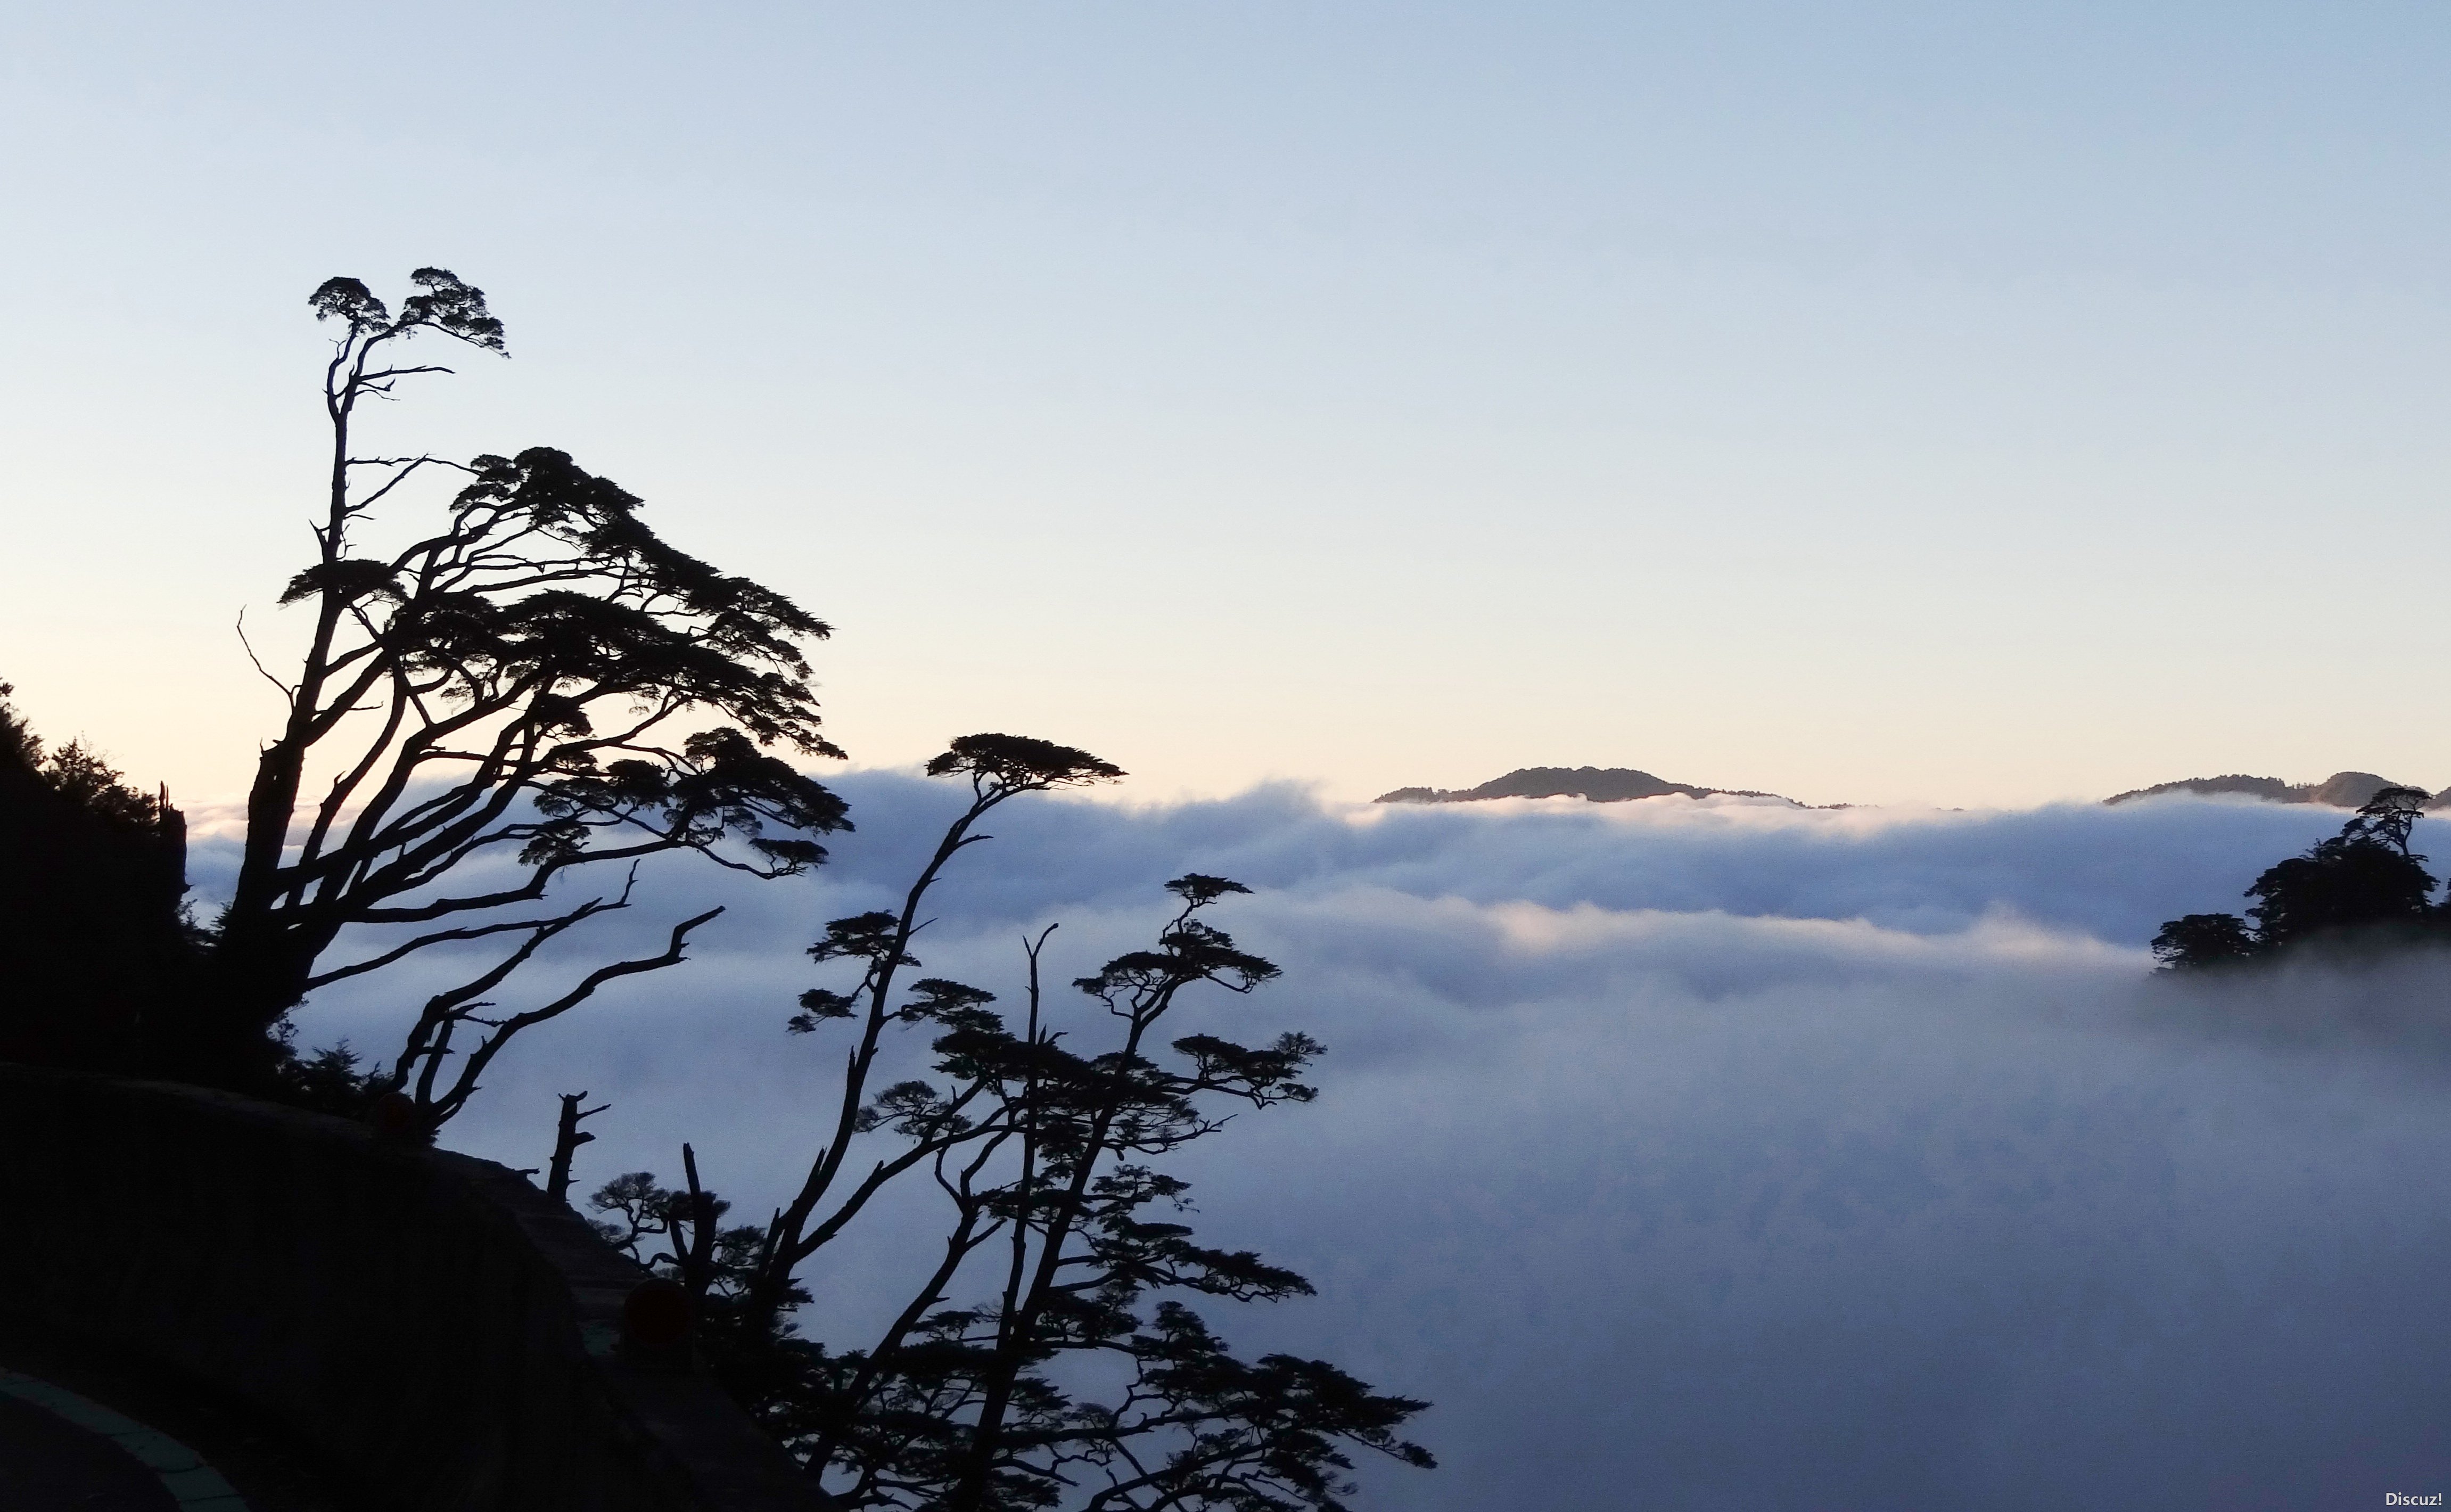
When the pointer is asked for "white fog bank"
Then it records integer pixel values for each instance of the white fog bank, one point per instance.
(1692, 1156)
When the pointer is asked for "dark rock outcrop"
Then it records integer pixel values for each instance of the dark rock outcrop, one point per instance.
(428, 1324)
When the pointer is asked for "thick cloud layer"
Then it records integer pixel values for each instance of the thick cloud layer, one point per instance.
(1693, 1154)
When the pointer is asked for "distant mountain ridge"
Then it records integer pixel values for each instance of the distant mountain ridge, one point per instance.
(2341, 790)
(1599, 785)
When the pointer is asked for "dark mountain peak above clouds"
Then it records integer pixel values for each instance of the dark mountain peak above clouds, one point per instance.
(2341, 790)
(1599, 785)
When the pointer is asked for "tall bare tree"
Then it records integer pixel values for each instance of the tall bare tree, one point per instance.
(535, 689)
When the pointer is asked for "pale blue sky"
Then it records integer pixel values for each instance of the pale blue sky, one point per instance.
(1959, 402)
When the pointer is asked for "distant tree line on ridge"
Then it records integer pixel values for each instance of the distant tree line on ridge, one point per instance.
(96, 945)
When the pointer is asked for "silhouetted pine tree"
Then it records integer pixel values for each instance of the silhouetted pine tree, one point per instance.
(1051, 1355)
(532, 685)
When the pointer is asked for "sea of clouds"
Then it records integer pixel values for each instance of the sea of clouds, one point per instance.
(1683, 1154)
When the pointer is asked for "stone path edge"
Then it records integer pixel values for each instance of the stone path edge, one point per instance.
(195, 1485)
